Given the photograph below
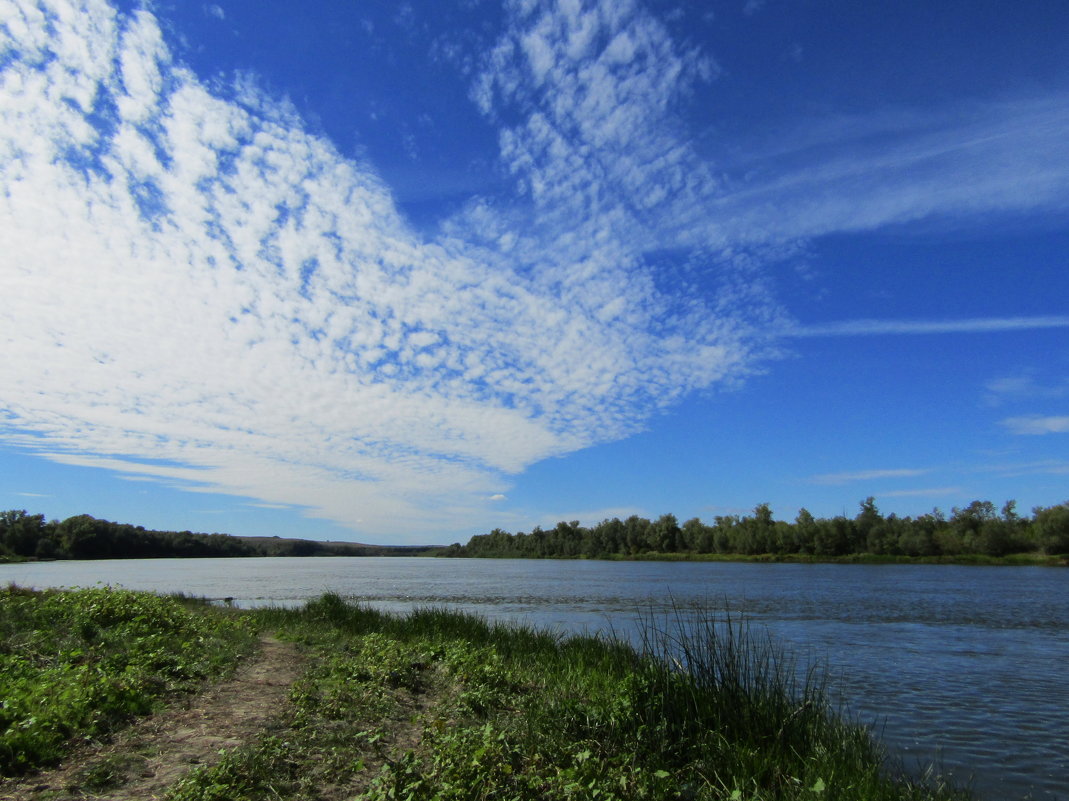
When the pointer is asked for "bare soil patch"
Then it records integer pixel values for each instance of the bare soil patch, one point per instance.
(141, 762)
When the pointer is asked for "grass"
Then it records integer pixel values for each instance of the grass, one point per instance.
(442, 705)
(75, 665)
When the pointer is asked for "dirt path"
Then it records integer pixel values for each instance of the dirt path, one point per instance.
(144, 760)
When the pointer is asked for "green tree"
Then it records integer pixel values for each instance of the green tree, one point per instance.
(1051, 527)
(664, 534)
(868, 518)
(834, 537)
(696, 536)
(636, 530)
(20, 532)
(724, 533)
(918, 536)
(968, 524)
(78, 537)
(805, 529)
(756, 534)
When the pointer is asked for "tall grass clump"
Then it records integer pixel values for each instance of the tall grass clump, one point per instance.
(745, 716)
(329, 612)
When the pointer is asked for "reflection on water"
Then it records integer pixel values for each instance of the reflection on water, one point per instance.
(965, 665)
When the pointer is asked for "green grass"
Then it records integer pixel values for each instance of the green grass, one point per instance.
(439, 705)
(703, 710)
(74, 665)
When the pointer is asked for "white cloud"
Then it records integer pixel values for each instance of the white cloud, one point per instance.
(1044, 467)
(198, 291)
(897, 166)
(598, 143)
(966, 326)
(1023, 387)
(1037, 424)
(931, 492)
(751, 7)
(865, 475)
(595, 87)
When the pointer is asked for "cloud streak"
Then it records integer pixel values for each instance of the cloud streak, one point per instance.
(933, 492)
(982, 325)
(866, 475)
(859, 173)
(1037, 425)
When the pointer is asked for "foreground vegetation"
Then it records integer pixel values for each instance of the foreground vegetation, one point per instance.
(76, 665)
(977, 533)
(441, 705)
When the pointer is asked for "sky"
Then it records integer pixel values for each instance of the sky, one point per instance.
(403, 272)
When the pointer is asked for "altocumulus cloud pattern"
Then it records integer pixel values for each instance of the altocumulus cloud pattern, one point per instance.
(199, 290)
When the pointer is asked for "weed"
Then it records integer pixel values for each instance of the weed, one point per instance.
(75, 664)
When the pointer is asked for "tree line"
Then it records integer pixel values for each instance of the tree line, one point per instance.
(978, 528)
(30, 536)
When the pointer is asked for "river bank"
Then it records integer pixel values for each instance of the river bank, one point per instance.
(437, 704)
(1010, 560)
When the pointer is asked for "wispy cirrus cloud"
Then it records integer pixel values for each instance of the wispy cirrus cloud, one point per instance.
(843, 173)
(1023, 387)
(1037, 425)
(927, 492)
(587, 95)
(866, 475)
(980, 325)
(1050, 467)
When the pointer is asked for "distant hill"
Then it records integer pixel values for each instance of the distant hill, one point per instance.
(292, 546)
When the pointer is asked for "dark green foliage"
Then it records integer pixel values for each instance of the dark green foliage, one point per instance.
(976, 530)
(264, 770)
(1052, 528)
(75, 664)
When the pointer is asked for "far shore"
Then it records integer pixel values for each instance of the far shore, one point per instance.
(982, 560)
(1013, 560)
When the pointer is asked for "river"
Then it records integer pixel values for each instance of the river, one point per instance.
(965, 667)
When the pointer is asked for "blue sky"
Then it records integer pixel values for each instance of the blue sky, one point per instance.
(402, 272)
